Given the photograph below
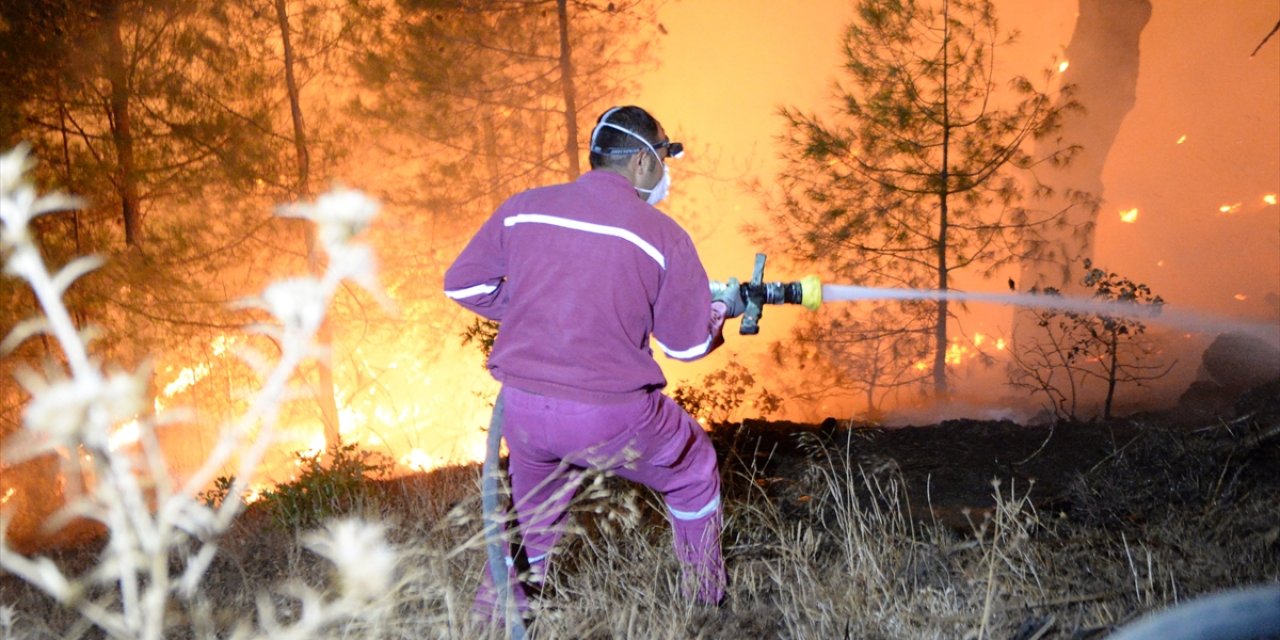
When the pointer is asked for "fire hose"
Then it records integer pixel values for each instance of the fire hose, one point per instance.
(755, 294)
(494, 527)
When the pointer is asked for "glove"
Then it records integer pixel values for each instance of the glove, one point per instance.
(731, 297)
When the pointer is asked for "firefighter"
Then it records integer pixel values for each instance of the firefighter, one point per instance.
(584, 279)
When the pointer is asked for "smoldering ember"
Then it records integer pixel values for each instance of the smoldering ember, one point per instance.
(338, 319)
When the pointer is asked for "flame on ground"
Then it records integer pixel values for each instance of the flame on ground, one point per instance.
(959, 352)
(418, 460)
(1129, 215)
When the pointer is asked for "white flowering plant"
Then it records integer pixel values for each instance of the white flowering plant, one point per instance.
(161, 536)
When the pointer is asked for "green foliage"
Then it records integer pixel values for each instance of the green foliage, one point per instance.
(215, 495)
(322, 491)
(1076, 348)
(720, 395)
(918, 175)
(482, 332)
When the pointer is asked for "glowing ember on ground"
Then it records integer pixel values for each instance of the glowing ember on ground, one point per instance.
(1129, 215)
(1182, 138)
(1062, 66)
(1000, 344)
(7, 494)
(1270, 198)
(1240, 296)
(1230, 208)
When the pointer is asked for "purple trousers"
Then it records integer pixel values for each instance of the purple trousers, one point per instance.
(652, 441)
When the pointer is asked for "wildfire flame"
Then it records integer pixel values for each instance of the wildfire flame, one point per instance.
(1181, 139)
(1230, 208)
(418, 460)
(958, 352)
(315, 447)
(1129, 215)
(1270, 199)
(1062, 66)
(254, 494)
(1241, 297)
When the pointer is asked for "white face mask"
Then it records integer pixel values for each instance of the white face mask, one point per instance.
(659, 191)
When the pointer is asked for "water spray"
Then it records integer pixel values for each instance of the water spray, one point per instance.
(756, 293)
(1184, 319)
(810, 292)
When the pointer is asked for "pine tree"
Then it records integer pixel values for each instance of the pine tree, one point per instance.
(918, 175)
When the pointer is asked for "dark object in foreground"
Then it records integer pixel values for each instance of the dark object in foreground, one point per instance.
(1243, 614)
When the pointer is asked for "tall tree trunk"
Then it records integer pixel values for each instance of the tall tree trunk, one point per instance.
(570, 96)
(303, 157)
(122, 124)
(324, 389)
(492, 166)
(940, 321)
(1103, 60)
(66, 168)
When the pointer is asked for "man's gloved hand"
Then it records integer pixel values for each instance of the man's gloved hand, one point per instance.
(731, 297)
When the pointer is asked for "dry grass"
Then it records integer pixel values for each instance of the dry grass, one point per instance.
(834, 552)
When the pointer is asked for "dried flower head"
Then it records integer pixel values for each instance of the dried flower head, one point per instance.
(19, 204)
(13, 167)
(365, 562)
(73, 411)
(339, 215)
(298, 303)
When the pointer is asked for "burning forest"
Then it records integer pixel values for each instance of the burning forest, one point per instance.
(1011, 370)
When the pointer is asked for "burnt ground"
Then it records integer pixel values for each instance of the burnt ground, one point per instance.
(1100, 471)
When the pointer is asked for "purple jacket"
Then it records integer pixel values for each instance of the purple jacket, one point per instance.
(580, 275)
